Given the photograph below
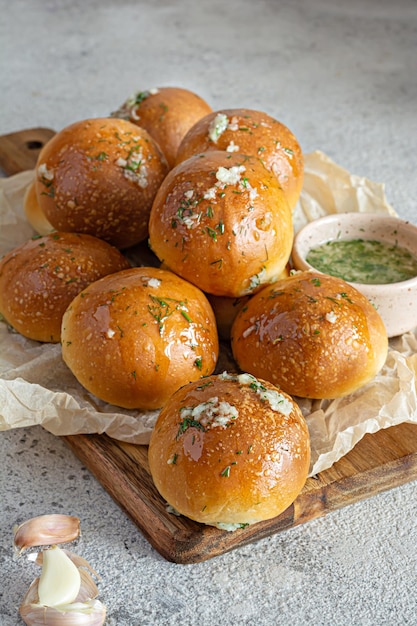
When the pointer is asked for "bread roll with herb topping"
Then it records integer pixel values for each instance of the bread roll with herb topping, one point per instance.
(134, 338)
(39, 279)
(313, 335)
(222, 222)
(250, 132)
(99, 176)
(225, 309)
(229, 451)
(167, 113)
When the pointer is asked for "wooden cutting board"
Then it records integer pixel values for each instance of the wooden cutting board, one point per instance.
(378, 462)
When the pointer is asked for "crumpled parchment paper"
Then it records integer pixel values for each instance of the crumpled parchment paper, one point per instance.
(36, 387)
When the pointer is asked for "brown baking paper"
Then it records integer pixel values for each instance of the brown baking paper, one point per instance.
(36, 387)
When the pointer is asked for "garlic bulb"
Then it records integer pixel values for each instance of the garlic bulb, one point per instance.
(46, 530)
(65, 593)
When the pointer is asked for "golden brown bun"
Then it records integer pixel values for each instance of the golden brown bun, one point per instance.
(225, 309)
(100, 177)
(229, 450)
(313, 335)
(39, 279)
(167, 113)
(250, 132)
(34, 214)
(222, 222)
(134, 338)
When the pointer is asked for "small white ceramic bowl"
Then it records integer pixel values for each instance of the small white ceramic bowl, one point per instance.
(395, 302)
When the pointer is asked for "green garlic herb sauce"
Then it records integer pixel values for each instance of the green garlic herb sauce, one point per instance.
(365, 261)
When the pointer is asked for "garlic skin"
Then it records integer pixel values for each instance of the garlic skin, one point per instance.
(60, 580)
(46, 530)
(90, 613)
(84, 610)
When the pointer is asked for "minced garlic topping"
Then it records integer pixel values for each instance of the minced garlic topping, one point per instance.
(134, 168)
(154, 282)
(211, 414)
(230, 175)
(218, 126)
(276, 400)
(232, 147)
(331, 317)
(257, 279)
(229, 527)
(43, 172)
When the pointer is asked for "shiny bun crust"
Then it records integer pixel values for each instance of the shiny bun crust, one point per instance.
(250, 132)
(225, 309)
(313, 335)
(229, 451)
(134, 338)
(167, 113)
(33, 212)
(222, 222)
(100, 176)
(39, 279)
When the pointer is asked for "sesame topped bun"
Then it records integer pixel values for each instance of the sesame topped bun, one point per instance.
(221, 221)
(135, 337)
(99, 176)
(167, 113)
(246, 131)
(229, 451)
(39, 279)
(313, 335)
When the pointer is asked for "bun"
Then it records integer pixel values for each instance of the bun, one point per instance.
(134, 338)
(313, 335)
(100, 176)
(167, 113)
(225, 309)
(33, 212)
(250, 132)
(222, 222)
(229, 451)
(39, 279)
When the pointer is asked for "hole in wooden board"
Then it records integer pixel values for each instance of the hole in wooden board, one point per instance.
(34, 144)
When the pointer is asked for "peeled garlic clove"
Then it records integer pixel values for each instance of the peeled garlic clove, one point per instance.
(91, 613)
(46, 530)
(88, 590)
(60, 580)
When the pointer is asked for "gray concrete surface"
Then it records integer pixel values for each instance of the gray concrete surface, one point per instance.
(343, 77)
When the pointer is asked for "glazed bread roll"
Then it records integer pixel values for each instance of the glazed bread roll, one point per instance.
(222, 222)
(39, 279)
(33, 212)
(99, 176)
(230, 450)
(313, 335)
(134, 338)
(225, 309)
(250, 132)
(167, 113)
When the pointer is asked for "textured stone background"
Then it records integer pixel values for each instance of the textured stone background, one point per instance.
(343, 77)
